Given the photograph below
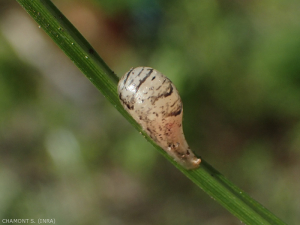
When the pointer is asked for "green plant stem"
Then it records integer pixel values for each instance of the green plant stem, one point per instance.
(90, 63)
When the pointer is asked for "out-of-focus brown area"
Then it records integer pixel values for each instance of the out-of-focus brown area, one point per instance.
(66, 153)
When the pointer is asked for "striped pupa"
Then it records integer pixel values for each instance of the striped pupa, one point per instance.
(154, 102)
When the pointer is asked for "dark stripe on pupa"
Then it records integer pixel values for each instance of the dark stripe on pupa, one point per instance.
(127, 75)
(144, 79)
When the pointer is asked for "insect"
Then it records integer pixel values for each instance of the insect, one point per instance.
(154, 102)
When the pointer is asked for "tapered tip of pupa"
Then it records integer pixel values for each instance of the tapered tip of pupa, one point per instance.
(195, 163)
(190, 163)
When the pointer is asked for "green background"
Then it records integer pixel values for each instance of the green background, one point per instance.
(66, 153)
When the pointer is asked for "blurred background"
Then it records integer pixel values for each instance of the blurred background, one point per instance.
(67, 154)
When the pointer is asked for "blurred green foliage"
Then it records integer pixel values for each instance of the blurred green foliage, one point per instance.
(65, 152)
